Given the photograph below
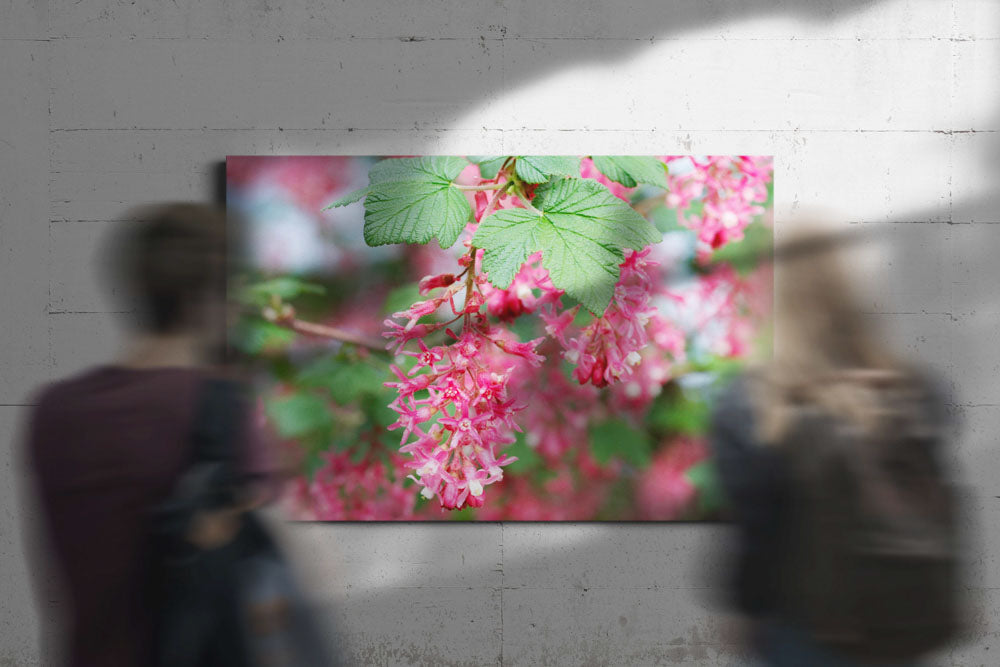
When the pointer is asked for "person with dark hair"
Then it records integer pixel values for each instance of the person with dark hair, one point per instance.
(107, 446)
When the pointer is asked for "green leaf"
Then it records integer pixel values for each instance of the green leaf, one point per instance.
(630, 170)
(312, 462)
(284, 287)
(665, 219)
(349, 198)
(527, 458)
(676, 414)
(254, 336)
(345, 380)
(616, 438)
(298, 415)
(538, 168)
(358, 455)
(582, 231)
(346, 437)
(413, 200)
(705, 479)
(529, 168)
(723, 368)
(376, 407)
(489, 165)
(467, 513)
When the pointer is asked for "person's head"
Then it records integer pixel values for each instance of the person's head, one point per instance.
(827, 351)
(171, 261)
(820, 327)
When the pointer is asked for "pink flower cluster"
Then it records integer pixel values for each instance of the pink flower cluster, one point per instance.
(635, 393)
(520, 297)
(655, 368)
(551, 432)
(453, 402)
(731, 189)
(578, 489)
(729, 307)
(664, 492)
(607, 348)
(345, 490)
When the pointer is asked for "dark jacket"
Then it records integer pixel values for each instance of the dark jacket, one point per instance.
(105, 447)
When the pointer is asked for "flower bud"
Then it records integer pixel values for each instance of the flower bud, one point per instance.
(427, 283)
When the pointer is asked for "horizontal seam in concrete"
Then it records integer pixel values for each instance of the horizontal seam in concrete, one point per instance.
(90, 312)
(923, 222)
(411, 130)
(492, 37)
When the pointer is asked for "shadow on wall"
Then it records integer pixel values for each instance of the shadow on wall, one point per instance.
(641, 593)
(936, 300)
(521, 593)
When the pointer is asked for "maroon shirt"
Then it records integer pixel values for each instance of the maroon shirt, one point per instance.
(105, 447)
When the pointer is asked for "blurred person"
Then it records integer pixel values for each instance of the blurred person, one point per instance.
(830, 457)
(145, 480)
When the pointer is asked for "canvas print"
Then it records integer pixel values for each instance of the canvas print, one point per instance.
(499, 338)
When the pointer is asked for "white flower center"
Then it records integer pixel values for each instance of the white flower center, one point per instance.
(475, 488)
(426, 492)
(429, 468)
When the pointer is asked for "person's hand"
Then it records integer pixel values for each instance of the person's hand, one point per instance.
(213, 529)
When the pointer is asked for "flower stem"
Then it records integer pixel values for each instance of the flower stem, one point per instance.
(519, 191)
(476, 188)
(491, 204)
(470, 280)
(328, 332)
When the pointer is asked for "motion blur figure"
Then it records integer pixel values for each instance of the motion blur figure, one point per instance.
(830, 455)
(145, 479)
(107, 445)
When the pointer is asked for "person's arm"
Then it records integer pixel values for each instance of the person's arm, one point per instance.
(753, 480)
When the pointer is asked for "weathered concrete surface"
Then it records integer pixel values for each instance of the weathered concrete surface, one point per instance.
(883, 111)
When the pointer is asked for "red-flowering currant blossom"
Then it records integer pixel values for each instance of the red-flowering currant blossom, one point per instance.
(343, 489)
(663, 491)
(731, 189)
(466, 405)
(607, 348)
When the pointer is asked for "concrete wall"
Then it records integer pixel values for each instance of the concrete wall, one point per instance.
(886, 111)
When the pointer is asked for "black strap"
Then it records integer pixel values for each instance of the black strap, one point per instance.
(211, 477)
(216, 432)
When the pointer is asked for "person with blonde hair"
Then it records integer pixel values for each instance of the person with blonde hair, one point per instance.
(830, 456)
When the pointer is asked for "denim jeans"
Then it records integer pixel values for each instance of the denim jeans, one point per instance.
(783, 644)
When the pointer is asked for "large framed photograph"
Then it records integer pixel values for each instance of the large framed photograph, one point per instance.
(500, 338)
